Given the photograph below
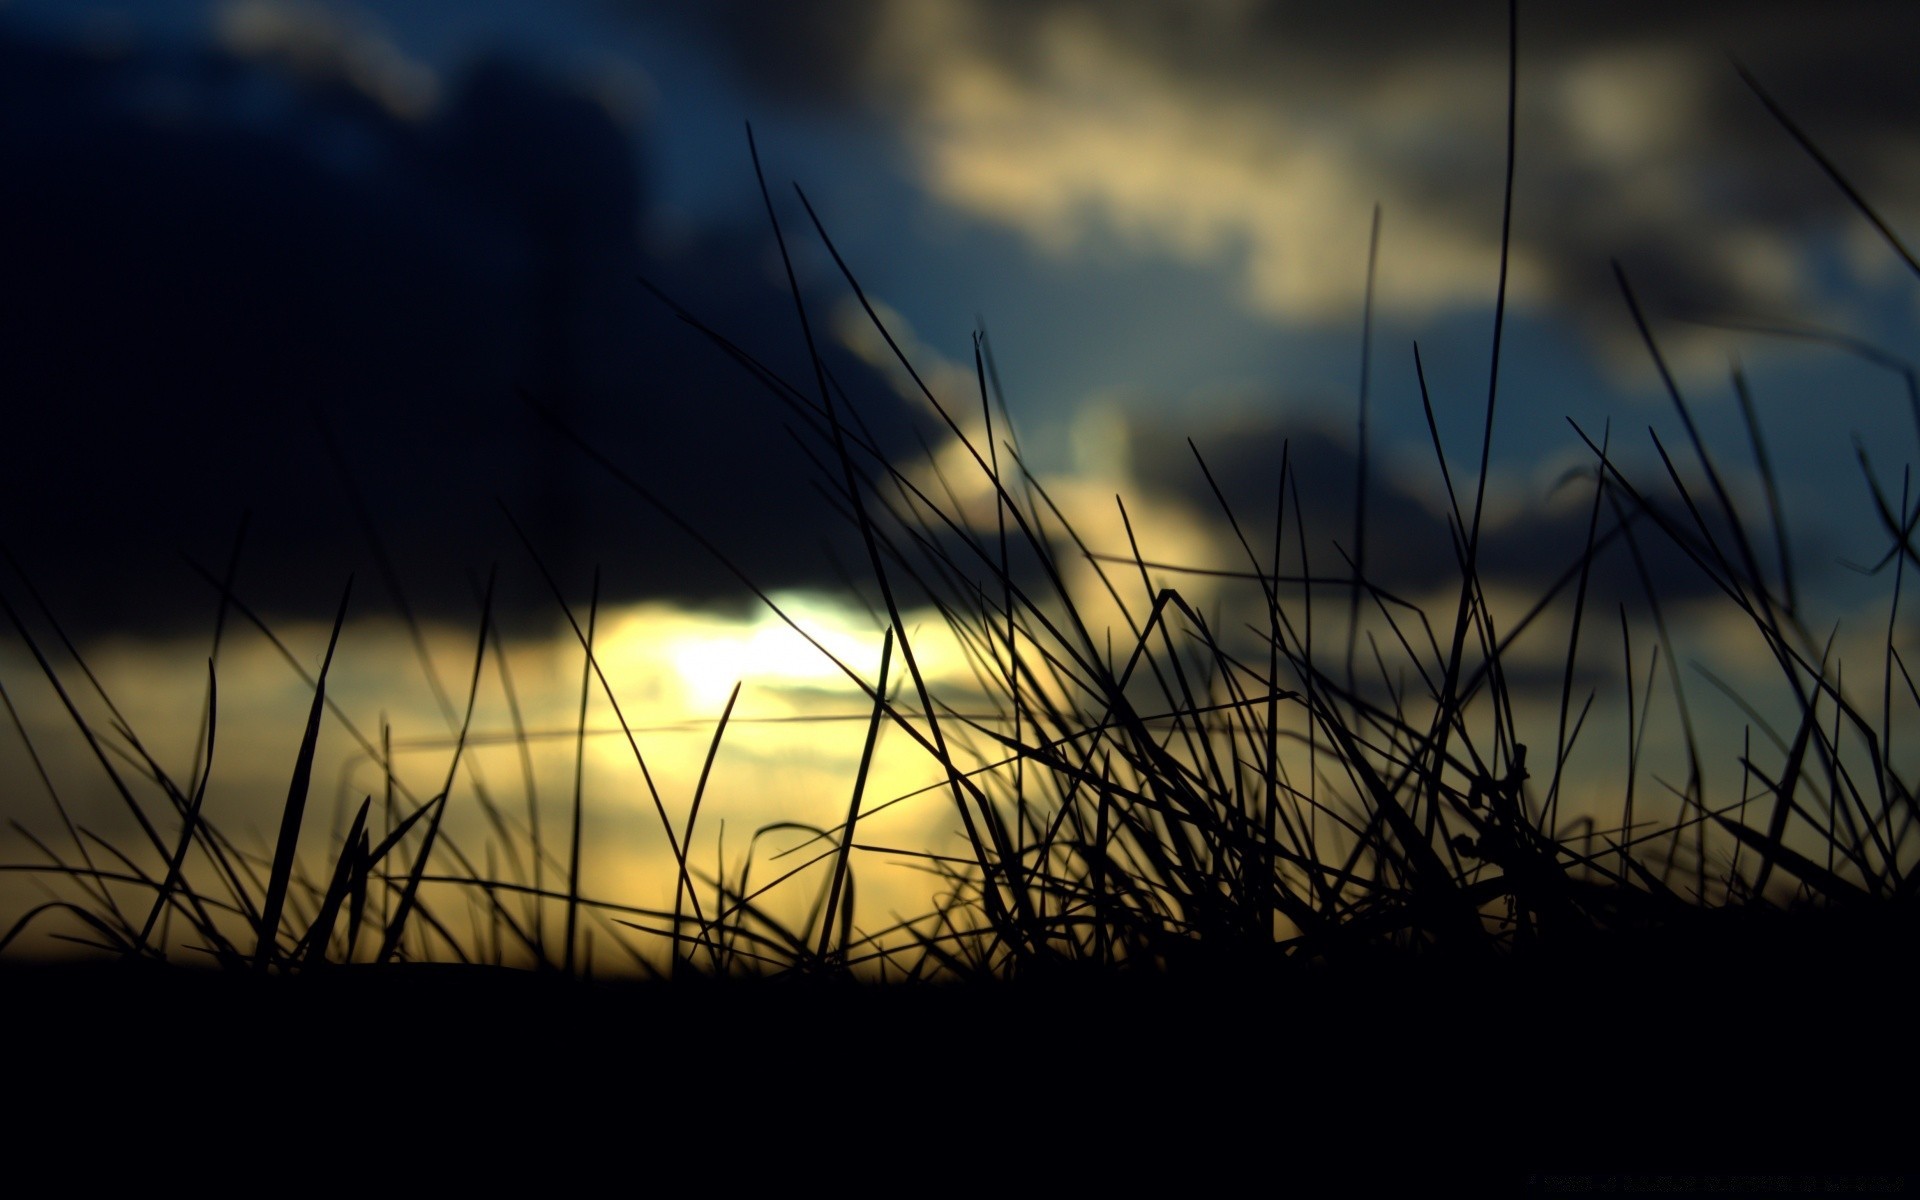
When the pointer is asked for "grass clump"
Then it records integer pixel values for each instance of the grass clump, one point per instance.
(1227, 888)
(1160, 795)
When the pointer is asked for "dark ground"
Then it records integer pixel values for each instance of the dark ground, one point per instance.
(1768, 1058)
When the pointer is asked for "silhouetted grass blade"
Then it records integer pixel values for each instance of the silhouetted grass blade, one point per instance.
(349, 875)
(296, 806)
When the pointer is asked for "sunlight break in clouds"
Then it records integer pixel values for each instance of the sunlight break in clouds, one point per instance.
(1259, 139)
(701, 657)
(787, 755)
(1098, 137)
(1101, 470)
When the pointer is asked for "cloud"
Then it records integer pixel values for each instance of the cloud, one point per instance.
(1177, 533)
(203, 292)
(327, 43)
(208, 248)
(1259, 137)
(1526, 545)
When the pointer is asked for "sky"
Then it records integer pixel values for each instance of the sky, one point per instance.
(314, 269)
(237, 224)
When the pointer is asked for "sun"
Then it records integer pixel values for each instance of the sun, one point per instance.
(697, 657)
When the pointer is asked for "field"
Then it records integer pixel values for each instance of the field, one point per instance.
(1302, 877)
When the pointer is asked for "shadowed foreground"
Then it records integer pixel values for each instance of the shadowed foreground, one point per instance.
(1756, 1048)
(1168, 953)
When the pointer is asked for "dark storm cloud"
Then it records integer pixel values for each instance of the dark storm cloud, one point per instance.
(201, 253)
(1637, 139)
(1409, 543)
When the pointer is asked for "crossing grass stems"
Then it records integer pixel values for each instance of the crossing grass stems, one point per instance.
(1130, 809)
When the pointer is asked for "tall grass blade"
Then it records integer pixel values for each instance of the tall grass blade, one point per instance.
(844, 853)
(296, 806)
(579, 779)
(190, 820)
(1832, 172)
(408, 900)
(683, 888)
(347, 869)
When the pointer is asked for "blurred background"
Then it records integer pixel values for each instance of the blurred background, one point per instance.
(298, 267)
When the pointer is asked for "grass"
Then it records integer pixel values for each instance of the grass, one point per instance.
(1171, 821)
